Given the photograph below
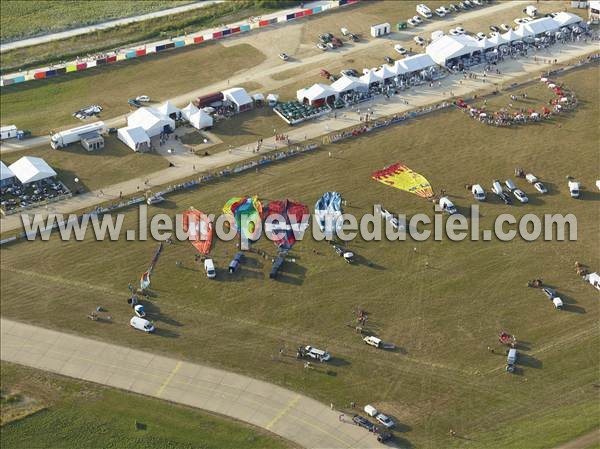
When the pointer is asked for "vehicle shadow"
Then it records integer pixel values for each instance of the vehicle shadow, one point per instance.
(569, 305)
(153, 313)
(161, 332)
(529, 361)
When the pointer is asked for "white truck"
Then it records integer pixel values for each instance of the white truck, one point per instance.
(447, 206)
(209, 268)
(531, 11)
(63, 138)
(478, 192)
(377, 342)
(424, 11)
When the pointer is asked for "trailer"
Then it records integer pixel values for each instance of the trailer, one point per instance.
(64, 138)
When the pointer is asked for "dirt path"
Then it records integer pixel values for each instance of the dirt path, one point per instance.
(583, 442)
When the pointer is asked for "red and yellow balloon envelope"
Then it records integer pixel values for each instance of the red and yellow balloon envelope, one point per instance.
(403, 178)
(199, 228)
(285, 222)
(246, 214)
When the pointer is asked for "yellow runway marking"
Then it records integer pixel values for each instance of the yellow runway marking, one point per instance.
(168, 379)
(283, 411)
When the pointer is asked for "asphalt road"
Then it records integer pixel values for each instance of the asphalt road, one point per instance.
(290, 415)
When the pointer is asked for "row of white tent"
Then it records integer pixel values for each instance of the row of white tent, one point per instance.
(438, 53)
(27, 169)
(146, 123)
(447, 47)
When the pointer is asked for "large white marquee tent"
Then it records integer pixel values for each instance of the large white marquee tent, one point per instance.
(31, 169)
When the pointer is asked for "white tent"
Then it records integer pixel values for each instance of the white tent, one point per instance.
(201, 120)
(541, 26)
(385, 72)
(449, 47)
(6, 176)
(510, 36)
(189, 110)
(150, 120)
(416, 63)
(370, 77)
(272, 99)
(497, 40)
(563, 19)
(317, 93)
(134, 137)
(486, 44)
(258, 97)
(348, 83)
(239, 97)
(170, 110)
(522, 32)
(30, 169)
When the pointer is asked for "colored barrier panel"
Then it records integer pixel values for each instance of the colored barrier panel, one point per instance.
(61, 70)
(141, 52)
(179, 43)
(160, 48)
(290, 17)
(343, 2)
(171, 45)
(81, 66)
(19, 79)
(316, 10)
(273, 20)
(307, 12)
(50, 73)
(71, 68)
(217, 35)
(226, 32)
(299, 14)
(130, 54)
(245, 27)
(198, 39)
(235, 30)
(263, 23)
(39, 75)
(7, 82)
(111, 59)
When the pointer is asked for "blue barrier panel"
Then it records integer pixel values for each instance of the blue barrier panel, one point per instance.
(244, 27)
(316, 10)
(130, 54)
(179, 43)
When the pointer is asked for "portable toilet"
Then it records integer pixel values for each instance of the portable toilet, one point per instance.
(380, 29)
(401, 26)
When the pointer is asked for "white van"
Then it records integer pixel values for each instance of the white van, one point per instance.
(373, 341)
(317, 354)
(531, 11)
(209, 268)
(141, 324)
(478, 192)
(370, 410)
(447, 205)
(574, 189)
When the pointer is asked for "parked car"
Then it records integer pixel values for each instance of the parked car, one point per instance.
(112, 130)
(143, 98)
(499, 191)
(494, 28)
(331, 45)
(478, 192)
(321, 46)
(400, 49)
(505, 27)
(424, 11)
(520, 195)
(460, 30)
(283, 56)
(447, 206)
(388, 59)
(574, 189)
(383, 435)
(445, 10)
(370, 410)
(452, 7)
(419, 40)
(337, 42)
(385, 420)
(468, 3)
(349, 72)
(324, 38)
(363, 422)
(511, 360)
(354, 37)
(540, 187)
(417, 19)
(440, 12)
(134, 103)
(480, 35)
(141, 324)
(552, 296)
(412, 22)
(477, 2)
(209, 268)
(453, 32)
(493, 34)
(236, 262)
(317, 354)
(510, 185)
(344, 31)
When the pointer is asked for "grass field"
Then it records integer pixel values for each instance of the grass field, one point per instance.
(136, 33)
(22, 19)
(47, 105)
(78, 414)
(114, 163)
(442, 316)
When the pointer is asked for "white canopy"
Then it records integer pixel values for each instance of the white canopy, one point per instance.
(416, 63)
(385, 72)
(238, 96)
(450, 47)
(169, 108)
(201, 120)
(347, 83)
(272, 98)
(30, 169)
(541, 26)
(370, 77)
(566, 18)
(258, 97)
(188, 111)
(523, 32)
(150, 120)
(315, 92)
(486, 43)
(497, 40)
(5, 172)
(133, 137)
(510, 36)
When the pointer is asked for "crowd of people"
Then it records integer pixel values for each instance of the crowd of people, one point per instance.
(19, 196)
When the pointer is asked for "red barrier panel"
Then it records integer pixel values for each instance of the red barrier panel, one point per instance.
(39, 75)
(299, 14)
(218, 35)
(198, 39)
(141, 52)
(82, 66)
(111, 59)
(307, 12)
(235, 30)
(263, 23)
